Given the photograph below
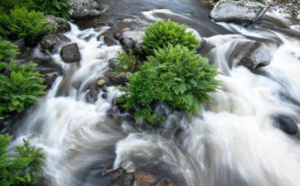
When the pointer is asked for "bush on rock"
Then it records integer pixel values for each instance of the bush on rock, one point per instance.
(174, 74)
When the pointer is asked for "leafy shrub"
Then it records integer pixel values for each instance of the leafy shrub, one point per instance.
(174, 74)
(59, 8)
(7, 50)
(30, 25)
(161, 34)
(20, 89)
(21, 169)
(126, 62)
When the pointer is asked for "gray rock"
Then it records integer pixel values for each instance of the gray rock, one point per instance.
(257, 55)
(109, 40)
(84, 8)
(60, 25)
(287, 124)
(50, 78)
(51, 43)
(132, 40)
(70, 53)
(118, 79)
(238, 11)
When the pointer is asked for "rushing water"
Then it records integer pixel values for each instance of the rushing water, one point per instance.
(232, 142)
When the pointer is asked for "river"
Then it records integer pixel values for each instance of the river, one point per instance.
(232, 142)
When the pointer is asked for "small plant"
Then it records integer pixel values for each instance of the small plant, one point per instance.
(22, 168)
(30, 25)
(59, 8)
(7, 50)
(126, 62)
(21, 88)
(161, 34)
(175, 74)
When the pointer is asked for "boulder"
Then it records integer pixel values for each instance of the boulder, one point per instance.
(257, 55)
(238, 11)
(60, 25)
(51, 43)
(132, 40)
(70, 53)
(287, 124)
(84, 8)
(142, 178)
(118, 79)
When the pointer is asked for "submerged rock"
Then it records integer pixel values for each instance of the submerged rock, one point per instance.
(238, 11)
(51, 43)
(142, 178)
(132, 40)
(60, 25)
(84, 8)
(70, 53)
(287, 124)
(257, 55)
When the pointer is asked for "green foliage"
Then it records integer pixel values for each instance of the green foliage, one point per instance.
(7, 50)
(161, 34)
(20, 89)
(174, 74)
(20, 169)
(30, 25)
(58, 8)
(126, 62)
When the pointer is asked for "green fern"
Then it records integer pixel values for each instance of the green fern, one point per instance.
(20, 89)
(175, 74)
(161, 34)
(22, 168)
(58, 8)
(7, 50)
(30, 25)
(126, 62)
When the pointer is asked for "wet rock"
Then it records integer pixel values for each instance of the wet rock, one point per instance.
(118, 79)
(94, 94)
(51, 43)
(60, 25)
(238, 11)
(70, 53)
(132, 40)
(142, 178)
(116, 174)
(127, 180)
(104, 96)
(101, 82)
(205, 47)
(287, 124)
(166, 182)
(50, 78)
(257, 55)
(84, 8)
(109, 40)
